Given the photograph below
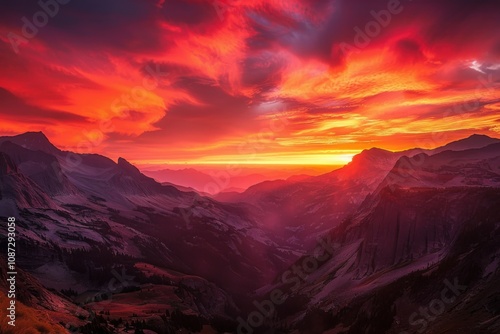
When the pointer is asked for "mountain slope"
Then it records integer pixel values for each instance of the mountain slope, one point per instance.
(115, 209)
(18, 191)
(398, 243)
(42, 168)
(326, 200)
(471, 167)
(472, 142)
(35, 141)
(36, 307)
(420, 229)
(397, 220)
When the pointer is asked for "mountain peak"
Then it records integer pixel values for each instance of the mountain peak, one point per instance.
(38, 136)
(122, 161)
(35, 141)
(372, 153)
(478, 136)
(376, 150)
(127, 166)
(471, 142)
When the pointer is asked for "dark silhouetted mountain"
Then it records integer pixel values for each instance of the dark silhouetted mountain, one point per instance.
(35, 141)
(474, 141)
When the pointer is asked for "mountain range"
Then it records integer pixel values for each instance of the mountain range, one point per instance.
(402, 227)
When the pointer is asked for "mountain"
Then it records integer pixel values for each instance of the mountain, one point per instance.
(398, 250)
(210, 182)
(35, 141)
(432, 219)
(470, 167)
(216, 180)
(421, 214)
(84, 217)
(36, 306)
(18, 191)
(327, 200)
(187, 177)
(397, 227)
(392, 258)
(474, 141)
(42, 168)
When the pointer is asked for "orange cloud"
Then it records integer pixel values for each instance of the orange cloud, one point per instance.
(198, 81)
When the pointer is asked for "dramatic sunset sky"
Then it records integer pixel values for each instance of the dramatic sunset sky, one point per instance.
(265, 81)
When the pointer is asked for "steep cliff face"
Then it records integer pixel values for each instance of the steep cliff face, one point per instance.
(7, 167)
(89, 203)
(393, 256)
(40, 167)
(17, 190)
(405, 277)
(406, 225)
(470, 168)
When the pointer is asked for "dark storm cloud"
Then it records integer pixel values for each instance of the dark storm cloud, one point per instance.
(15, 108)
(189, 13)
(408, 51)
(127, 25)
(217, 114)
(262, 71)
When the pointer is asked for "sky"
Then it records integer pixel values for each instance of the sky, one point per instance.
(249, 82)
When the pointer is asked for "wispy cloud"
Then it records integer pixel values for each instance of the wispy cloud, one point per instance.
(224, 62)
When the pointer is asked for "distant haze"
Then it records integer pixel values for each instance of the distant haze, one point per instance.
(224, 178)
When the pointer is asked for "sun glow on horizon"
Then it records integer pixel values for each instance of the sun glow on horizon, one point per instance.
(194, 92)
(335, 159)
